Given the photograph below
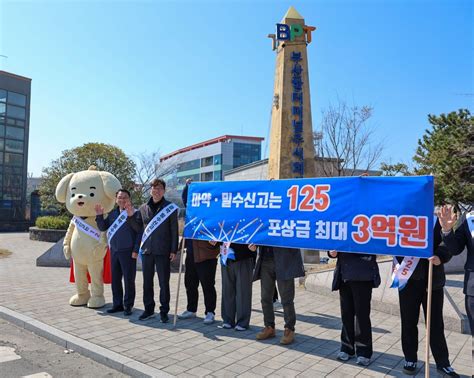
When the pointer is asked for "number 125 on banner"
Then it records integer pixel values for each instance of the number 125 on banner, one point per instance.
(309, 197)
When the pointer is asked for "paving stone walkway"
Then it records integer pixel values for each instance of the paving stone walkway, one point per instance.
(195, 349)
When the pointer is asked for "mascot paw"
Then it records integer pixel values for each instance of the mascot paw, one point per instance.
(96, 302)
(79, 300)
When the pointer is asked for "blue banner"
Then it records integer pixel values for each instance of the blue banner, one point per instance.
(376, 215)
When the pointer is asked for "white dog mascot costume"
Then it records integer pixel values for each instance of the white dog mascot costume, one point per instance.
(80, 192)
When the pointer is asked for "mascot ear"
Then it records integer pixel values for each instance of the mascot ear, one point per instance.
(111, 184)
(61, 189)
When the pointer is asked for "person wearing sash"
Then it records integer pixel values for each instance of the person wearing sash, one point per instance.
(456, 241)
(158, 221)
(201, 264)
(355, 276)
(237, 263)
(278, 266)
(411, 278)
(124, 244)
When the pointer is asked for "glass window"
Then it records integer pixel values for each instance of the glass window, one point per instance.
(16, 112)
(3, 95)
(15, 133)
(13, 159)
(20, 123)
(246, 153)
(207, 176)
(11, 183)
(13, 146)
(218, 159)
(2, 109)
(10, 121)
(12, 195)
(2, 130)
(1, 159)
(13, 170)
(187, 166)
(217, 175)
(2, 144)
(207, 161)
(16, 99)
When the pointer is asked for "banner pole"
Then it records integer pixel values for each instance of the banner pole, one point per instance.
(179, 281)
(428, 318)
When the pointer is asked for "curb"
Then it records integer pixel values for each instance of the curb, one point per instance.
(97, 353)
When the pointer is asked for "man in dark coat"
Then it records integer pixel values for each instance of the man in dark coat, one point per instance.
(124, 244)
(282, 265)
(456, 241)
(412, 296)
(159, 248)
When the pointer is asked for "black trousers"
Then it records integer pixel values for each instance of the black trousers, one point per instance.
(356, 335)
(470, 312)
(123, 266)
(160, 264)
(205, 273)
(411, 297)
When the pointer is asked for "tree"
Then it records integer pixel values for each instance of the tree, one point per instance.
(104, 156)
(346, 138)
(397, 169)
(446, 152)
(148, 167)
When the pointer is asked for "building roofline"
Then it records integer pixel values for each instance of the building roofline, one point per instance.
(14, 75)
(222, 138)
(246, 166)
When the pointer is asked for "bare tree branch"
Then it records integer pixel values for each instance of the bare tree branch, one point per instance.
(348, 139)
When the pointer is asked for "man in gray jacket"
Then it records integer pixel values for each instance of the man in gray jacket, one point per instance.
(282, 265)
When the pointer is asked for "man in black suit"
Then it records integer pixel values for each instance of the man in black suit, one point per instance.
(158, 247)
(124, 243)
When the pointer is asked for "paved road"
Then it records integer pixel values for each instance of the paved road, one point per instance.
(23, 353)
(195, 349)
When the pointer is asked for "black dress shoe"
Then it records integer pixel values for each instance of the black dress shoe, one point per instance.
(146, 315)
(164, 318)
(115, 309)
(127, 311)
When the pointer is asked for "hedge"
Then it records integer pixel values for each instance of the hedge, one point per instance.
(53, 222)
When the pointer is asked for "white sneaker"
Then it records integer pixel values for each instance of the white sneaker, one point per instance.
(363, 361)
(343, 356)
(240, 328)
(277, 305)
(226, 326)
(209, 319)
(187, 315)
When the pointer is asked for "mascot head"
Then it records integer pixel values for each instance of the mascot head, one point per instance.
(81, 191)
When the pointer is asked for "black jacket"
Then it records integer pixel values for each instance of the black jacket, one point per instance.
(355, 267)
(126, 239)
(164, 240)
(456, 241)
(288, 264)
(440, 250)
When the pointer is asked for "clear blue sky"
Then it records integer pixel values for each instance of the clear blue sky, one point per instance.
(148, 75)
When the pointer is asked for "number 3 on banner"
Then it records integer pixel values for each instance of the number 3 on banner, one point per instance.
(314, 197)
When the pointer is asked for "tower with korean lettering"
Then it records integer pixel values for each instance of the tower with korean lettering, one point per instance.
(291, 137)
